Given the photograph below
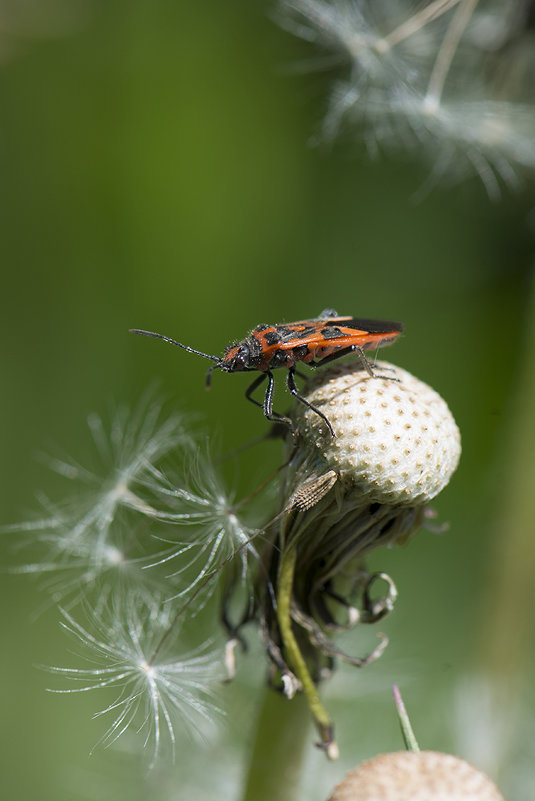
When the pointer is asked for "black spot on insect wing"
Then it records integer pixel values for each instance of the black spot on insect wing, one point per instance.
(300, 352)
(282, 358)
(272, 338)
(374, 326)
(255, 351)
(286, 331)
(331, 332)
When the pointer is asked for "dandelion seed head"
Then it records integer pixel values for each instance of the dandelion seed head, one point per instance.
(359, 34)
(160, 519)
(113, 555)
(349, 487)
(132, 647)
(393, 98)
(456, 137)
(207, 522)
(403, 452)
(99, 536)
(148, 669)
(416, 776)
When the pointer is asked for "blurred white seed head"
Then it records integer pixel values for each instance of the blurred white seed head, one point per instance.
(151, 524)
(416, 776)
(133, 648)
(153, 514)
(428, 79)
(204, 515)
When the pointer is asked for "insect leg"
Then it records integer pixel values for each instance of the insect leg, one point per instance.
(328, 314)
(256, 383)
(267, 405)
(332, 357)
(293, 390)
(368, 366)
(363, 360)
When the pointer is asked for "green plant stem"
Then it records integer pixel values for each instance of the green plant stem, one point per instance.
(411, 743)
(282, 734)
(295, 658)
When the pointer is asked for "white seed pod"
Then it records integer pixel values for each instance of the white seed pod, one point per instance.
(416, 776)
(396, 441)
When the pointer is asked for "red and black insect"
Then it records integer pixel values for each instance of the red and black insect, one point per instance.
(315, 342)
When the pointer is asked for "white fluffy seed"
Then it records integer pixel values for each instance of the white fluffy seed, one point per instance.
(396, 441)
(420, 776)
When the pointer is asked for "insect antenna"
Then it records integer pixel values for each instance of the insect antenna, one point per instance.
(208, 382)
(174, 342)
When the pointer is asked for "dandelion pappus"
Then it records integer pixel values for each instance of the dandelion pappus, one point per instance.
(314, 342)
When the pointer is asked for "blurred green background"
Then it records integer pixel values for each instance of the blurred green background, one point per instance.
(156, 172)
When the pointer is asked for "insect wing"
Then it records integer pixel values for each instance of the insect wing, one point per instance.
(304, 331)
(338, 332)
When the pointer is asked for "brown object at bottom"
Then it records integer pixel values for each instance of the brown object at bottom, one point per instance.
(416, 776)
